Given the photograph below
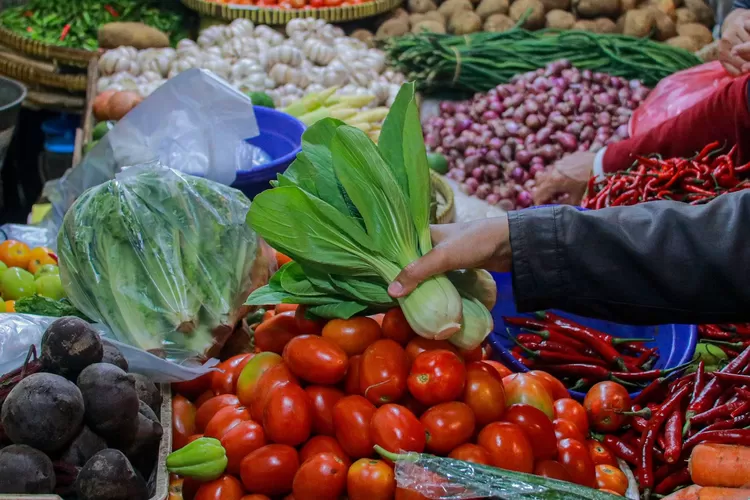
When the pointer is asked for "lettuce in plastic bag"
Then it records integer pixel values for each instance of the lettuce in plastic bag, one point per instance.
(163, 258)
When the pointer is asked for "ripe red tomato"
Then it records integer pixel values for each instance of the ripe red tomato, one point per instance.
(351, 382)
(307, 326)
(508, 446)
(436, 377)
(604, 403)
(484, 393)
(322, 444)
(272, 379)
(611, 478)
(395, 428)
(225, 488)
(522, 388)
(447, 425)
(316, 360)
(554, 387)
(203, 398)
(537, 427)
(395, 327)
(321, 476)
(255, 496)
(208, 409)
(353, 335)
(351, 421)
(413, 405)
(193, 388)
(241, 440)
(224, 420)
(553, 470)
(600, 454)
(287, 418)
(323, 399)
(254, 369)
(270, 470)
(282, 308)
(572, 411)
(502, 370)
(404, 494)
(418, 345)
(574, 455)
(471, 453)
(193, 438)
(470, 355)
(383, 371)
(567, 429)
(273, 334)
(370, 479)
(183, 421)
(225, 381)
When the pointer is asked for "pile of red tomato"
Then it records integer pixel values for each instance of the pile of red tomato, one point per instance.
(300, 417)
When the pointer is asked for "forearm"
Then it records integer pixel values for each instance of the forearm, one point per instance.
(655, 263)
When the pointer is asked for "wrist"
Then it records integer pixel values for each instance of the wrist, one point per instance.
(501, 257)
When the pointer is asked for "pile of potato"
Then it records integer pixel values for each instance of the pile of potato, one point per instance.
(682, 23)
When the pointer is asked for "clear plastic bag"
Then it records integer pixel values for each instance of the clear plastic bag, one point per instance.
(195, 123)
(164, 259)
(33, 236)
(20, 331)
(676, 93)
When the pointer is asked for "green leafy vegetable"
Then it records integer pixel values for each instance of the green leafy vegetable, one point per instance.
(44, 306)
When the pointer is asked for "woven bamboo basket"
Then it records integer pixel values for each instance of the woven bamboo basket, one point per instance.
(260, 15)
(31, 72)
(59, 55)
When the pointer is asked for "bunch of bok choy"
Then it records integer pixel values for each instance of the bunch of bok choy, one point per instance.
(352, 215)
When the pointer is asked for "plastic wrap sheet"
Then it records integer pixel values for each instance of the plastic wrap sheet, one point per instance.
(34, 236)
(164, 259)
(196, 123)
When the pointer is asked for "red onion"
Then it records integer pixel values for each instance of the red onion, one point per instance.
(483, 190)
(622, 131)
(493, 157)
(530, 141)
(523, 157)
(533, 121)
(524, 199)
(457, 174)
(506, 151)
(535, 170)
(492, 172)
(603, 118)
(574, 128)
(557, 120)
(548, 152)
(566, 140)
(492, 199)
(489, 115)
(588, 133)
(523, 131)
(518, 174)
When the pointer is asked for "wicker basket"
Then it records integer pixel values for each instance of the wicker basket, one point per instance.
(59, 55)
(260, 15)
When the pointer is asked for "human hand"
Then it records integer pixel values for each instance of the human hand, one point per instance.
(569, 175)
(478, 244)
(734, 46)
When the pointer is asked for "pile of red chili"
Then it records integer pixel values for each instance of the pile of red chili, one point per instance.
(580, 355)
(694, 180)
(730, 338)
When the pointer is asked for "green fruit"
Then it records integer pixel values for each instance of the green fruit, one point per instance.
(261, 99)
(204, 459)
(46, 269)
(101, 130)
(437, 162)
(17, 283)
(88, 147)
(2, 307)
(3, 267)
(50, 286)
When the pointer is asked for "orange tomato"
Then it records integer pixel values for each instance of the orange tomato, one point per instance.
(554, 387)
(448, 425)
(484, 393)
(282, 259)
(204, 397)
(351, 381)
(280, 308)
(270, 469)
(316, 359)
(353, 335)
(604, 405)
(383, 371)
(251, 374)
(502, 370)
(418, 345)
(10, 306)
(15, 253)
(307, 326)
(208, 409)
(225, 488)
(471, 453)
(469, 355)
(600, 454)
(522, 388)
(323, 399)
(508, 446)
(224, 381)
(322, 444)
(39, 257)
(370, 479)
(553, 470)
(275, 377)
(287, 418)
(321, 476)
(193, 388)
(611, 478)
(273, 334)
(574, 412)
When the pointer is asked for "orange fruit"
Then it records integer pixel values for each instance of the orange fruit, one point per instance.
(38, 257)
(10, 306)
(15, 253)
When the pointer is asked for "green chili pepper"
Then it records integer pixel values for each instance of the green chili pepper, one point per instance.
(204, 459)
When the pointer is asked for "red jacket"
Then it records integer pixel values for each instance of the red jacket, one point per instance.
(723, 117)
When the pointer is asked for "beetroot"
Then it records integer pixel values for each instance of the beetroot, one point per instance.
(109, 475)
(111, 400)
(69, 345)
(24, 469)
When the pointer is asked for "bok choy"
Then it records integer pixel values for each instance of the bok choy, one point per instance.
(352, 215)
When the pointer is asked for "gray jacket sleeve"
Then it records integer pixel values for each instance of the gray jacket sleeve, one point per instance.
(655, 263)
(741, 4)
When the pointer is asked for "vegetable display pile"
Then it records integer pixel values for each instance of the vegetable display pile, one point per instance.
(731, 340)
(76, 24)
(478, 62)
(311, 57)
(293, 4)
(498, 142)
(582, 356)
(75, 422)
(694, 180)
(307, 411)
(27, 273)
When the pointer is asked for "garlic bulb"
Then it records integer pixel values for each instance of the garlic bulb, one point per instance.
(380, 90)
(103, 84)
(146, 89)
(245, 67)
(270, 35)
(214, 51)
(218, 66)
(151, 76)
(129, 52)
(282, 73)
(314, 87)
(235, 48)
(318, 52)
(117, 60)
(297, 26)
(285, 54)
(125, 80)
(363, 77)
(180, 65)
(211, 36)
(159, 63)
(240, 28)
(185, 44)
(375, 59)
(335, 76)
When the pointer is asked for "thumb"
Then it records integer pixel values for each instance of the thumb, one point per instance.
(434, 262)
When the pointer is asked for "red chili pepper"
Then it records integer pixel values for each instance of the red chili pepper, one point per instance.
(706, 149)
(558, 347)
(647, 375)
(65, 31)
(672, 481)
(580, 370)
(526, 338)
(724, 436)
(741, 410)
(555, 357)
(111, 11)
(654, 389)
(742, 392)
(645, 356)
(695, 189)
(733, 378)
(621, 449)
(712, 389)
(715, 333)
(717, 412)
(673, 436)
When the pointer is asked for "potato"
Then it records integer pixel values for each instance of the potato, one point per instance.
(550, 5)
(639, 23)
(488, 7)
(665, 26)
(536, 17)
(451, 7)
(138, 35)
(596, 8)
(685, 15)
(700, 33)
(399, 14)
(416, 18)
(429, 26)
(626, 5)
(683, 42)
(498, 23)
(665, 6)
(560, 19)
(364, 36)
(421, 6)
(392, 27)
(585, 25)
(435, 16)
(703, 12)
(465, 22)
(605, 25)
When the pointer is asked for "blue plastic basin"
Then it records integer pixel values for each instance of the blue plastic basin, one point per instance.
(676, 343)
(281, 138)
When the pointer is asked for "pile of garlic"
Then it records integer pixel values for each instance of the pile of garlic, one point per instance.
(313, 56)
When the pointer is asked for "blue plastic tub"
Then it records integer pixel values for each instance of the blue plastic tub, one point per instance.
(281, 137)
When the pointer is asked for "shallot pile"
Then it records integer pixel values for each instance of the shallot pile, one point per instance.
(498, 142)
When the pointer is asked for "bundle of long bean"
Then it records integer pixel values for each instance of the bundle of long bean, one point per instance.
(480, 61)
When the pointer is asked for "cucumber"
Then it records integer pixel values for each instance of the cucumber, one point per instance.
(437, 162)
